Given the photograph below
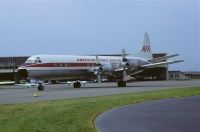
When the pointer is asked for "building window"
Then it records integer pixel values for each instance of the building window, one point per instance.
(176, 75)
(171, 76)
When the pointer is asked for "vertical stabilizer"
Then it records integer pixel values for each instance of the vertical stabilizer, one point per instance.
(145, 52)
(146, 43)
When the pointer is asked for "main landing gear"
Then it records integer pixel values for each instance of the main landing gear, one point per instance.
(77, 84)
(121, 83)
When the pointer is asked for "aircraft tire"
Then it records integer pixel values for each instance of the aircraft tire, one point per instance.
(77, 85)
(121, 84)
(40, 88)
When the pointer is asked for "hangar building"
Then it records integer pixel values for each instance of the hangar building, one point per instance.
(8, 66)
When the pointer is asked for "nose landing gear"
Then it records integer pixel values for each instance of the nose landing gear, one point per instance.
(40, 87)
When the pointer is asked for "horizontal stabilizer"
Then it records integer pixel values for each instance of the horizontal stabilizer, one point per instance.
(163, 58)
(161, 64)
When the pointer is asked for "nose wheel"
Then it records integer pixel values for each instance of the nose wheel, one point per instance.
(40, 87)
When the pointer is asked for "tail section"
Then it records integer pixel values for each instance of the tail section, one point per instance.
(146, 44)
(145, 52)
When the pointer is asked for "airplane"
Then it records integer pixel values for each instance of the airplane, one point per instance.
(73, 67)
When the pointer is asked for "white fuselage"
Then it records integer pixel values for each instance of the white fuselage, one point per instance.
(56, 67)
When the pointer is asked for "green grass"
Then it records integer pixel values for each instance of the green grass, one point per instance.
(74, 115)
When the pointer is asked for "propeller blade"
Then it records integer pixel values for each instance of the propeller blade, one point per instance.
(98, 69)
(99, 78)
(125, 76)
(124, 59)
(123, 54)
(97, 59)
(124, 64)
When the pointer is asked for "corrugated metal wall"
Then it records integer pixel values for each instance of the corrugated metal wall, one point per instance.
(7, 66)
(10, 62)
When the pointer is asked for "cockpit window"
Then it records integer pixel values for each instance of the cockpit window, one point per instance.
(38, 60)
(34, 61)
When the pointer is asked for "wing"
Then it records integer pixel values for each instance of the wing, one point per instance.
(163, 58)
(151, 65)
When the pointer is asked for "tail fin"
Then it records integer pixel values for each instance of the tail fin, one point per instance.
(146, 44)
(146, 48)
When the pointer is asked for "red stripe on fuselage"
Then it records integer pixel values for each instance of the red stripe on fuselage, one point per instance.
(62, 65)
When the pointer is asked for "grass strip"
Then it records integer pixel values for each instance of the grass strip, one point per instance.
(74, 115)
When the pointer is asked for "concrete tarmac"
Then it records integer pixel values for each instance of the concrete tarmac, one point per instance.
(21, 94)
(167, 115)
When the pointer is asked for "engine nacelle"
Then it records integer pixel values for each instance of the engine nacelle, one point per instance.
(124, 64)
(98, 68)
(133, 64)
(107, 67)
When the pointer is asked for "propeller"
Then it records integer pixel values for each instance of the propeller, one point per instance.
(98, 69)
(124, 64)
(124, 55)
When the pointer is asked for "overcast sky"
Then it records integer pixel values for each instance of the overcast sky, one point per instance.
(29, 27)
